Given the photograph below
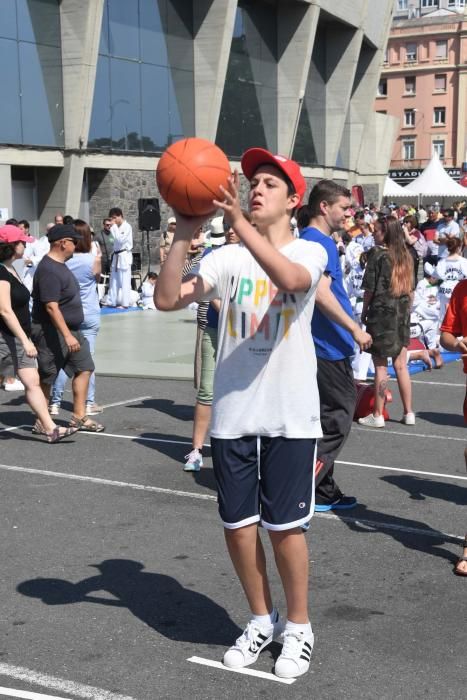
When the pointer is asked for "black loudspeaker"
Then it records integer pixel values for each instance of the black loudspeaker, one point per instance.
(149, 216)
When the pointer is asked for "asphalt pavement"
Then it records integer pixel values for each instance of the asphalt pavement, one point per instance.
(115, 574)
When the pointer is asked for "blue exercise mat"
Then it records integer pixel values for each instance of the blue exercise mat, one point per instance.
(419, 366)
(105, 310)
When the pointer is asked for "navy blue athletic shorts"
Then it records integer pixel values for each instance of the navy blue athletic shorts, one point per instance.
(264, 479)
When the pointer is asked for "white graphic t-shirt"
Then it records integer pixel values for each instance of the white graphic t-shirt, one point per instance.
(265, 379)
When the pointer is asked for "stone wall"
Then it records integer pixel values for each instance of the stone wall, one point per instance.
(123, 188)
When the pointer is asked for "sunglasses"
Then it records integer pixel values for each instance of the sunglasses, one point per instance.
(71, 240)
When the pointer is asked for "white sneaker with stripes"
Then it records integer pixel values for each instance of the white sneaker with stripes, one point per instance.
(251, 643)
(296, 654)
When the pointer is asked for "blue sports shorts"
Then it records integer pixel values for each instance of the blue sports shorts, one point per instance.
(264, 479)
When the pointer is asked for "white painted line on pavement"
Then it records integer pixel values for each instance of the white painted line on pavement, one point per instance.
(419, 381)
(124, 403)
(54, 683)
(11, 693)
(244, 671)
(400, 469)
(138, 438)
(207, 497)
(392, 433)
(16, 427)
(110, 482)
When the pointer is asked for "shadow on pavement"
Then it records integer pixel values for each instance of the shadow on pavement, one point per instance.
(158, 600)
(170, 408)
(455, 420)
(205, 477)
(419, 489)
(410, 533)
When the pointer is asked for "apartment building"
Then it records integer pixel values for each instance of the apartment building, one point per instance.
(424, 84)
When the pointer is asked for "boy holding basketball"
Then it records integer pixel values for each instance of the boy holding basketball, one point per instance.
(266, 406)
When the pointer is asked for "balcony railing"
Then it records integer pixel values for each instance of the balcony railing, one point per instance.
(419, 163)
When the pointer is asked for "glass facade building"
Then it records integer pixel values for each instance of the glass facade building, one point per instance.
(95, 90)
(248, 115)
(144, 90)
(31, 70)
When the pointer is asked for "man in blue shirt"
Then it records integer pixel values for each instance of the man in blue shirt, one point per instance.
(334, 344)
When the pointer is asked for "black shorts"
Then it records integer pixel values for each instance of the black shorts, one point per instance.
(264, 479)
(53, 354)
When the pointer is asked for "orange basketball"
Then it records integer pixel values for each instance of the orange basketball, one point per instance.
(189, 175)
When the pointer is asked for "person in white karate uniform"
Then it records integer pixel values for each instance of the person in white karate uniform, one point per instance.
(32, 256)
(120, 269)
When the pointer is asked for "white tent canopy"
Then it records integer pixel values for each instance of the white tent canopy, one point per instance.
(435, 182)
(392, 189)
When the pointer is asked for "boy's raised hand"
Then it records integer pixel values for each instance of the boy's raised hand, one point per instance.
(231, 203)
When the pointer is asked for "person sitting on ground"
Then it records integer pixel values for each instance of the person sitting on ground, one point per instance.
(146, 300)
(57, 315)
(17, 351)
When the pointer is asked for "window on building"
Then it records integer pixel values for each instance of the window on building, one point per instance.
(440, 147)
(456, 3)
(410, 84)
(441, 49)
(31, 61)
(440, 82)
(251, 83)
(401, 4)
(386, 55)
(409, 117)
(439, 116)
(383, 88)
(411, 52)
(408, 150)
(429, 3)
(154, 63)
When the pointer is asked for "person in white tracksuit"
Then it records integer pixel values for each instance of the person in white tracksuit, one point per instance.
(450, 270)
(362, 361)
(120, 269)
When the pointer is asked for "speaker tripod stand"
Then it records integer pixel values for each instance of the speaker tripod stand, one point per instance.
(145, 241)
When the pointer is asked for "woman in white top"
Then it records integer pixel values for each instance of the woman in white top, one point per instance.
(450, 271)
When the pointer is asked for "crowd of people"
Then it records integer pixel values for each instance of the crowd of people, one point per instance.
(294, 303)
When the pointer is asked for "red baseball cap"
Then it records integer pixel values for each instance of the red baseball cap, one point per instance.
(14, 234)
(254, 157)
